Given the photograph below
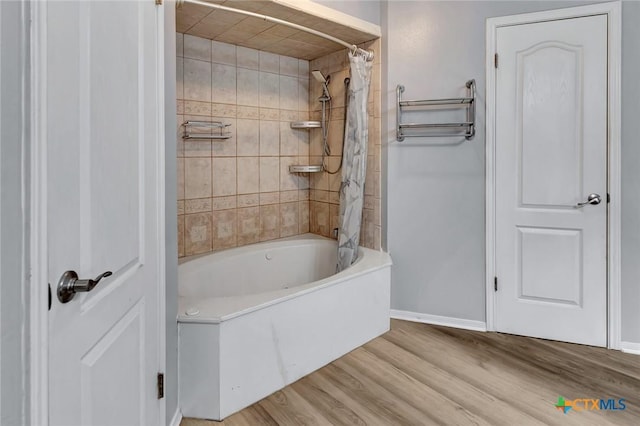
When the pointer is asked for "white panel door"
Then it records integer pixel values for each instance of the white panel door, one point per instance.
(551, 154)
(104, 197)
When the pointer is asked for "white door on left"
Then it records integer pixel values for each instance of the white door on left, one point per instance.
(104, 193)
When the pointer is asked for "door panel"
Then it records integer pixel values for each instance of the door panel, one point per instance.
(104, 195)
(551, 153)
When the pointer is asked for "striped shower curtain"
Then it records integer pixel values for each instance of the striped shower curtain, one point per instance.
(354, 161)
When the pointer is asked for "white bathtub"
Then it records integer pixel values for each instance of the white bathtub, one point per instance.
(257, 318)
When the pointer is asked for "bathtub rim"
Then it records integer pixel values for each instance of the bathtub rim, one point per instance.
(368, 261)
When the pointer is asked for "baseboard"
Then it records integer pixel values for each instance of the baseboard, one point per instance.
(630, 348)
(177, 418)
(439, 320)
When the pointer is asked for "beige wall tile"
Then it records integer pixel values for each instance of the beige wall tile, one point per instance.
(303, 195)
(179, 78)
(288, 196)
(197, 148)
(197, 176)
(289, 66)
(180, 235)
(224, 203)
(179, 44)
(269, 222)
(248, 87)
(303, 209)
(289, 219)
(319, 218)
(225, 147)
(180, 207)
(197, 80)
(288, 181)
(319, 180)
(197, 48)
(197, 205)
(303, 68)
(248, 58)
(197, 108)
(269, 174)
(247, 112)
(269, 138)
(248, 200)
(219, 110)
(269, 90)
(197, 233)
(248, 225)
(223, 53)
(248, 138)
(223, 84)
(269, 114)
(288, 139)
(224, 176)
(334, 218)
(288, 93)
(225, 229)
(289, 115)
(269, 62)
(303, 94)
(248, 175)
(180, 176)
(269, 198)
(335, 179)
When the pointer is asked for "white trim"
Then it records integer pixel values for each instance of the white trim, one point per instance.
(161, 197)
(39, 303)
(177, 418)
(324, 12)
(439, 320)
(613, 12)
(630, 348)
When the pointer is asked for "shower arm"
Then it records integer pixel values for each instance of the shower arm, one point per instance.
(367, 54)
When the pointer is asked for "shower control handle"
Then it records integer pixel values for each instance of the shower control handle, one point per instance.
(591, 199)
(69, 285)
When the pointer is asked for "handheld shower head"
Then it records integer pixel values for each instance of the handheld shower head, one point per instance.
(317, 74)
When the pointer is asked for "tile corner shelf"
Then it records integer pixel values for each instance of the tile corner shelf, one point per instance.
(305, 169)
(306, 124)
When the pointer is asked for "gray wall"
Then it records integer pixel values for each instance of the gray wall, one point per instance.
(368, 10)
(435, 197)
(171, 213)
(13, 213)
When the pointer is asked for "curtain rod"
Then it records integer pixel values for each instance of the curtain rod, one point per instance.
(368, 54)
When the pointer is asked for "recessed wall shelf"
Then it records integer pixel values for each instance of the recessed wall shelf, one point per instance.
(306, 124)
(305, 169)
(446, 129)
(205, 130)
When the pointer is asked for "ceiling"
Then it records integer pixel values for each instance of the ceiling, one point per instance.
(256, 33)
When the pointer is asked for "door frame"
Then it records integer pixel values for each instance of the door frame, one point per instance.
(614, 27)
(35, 193)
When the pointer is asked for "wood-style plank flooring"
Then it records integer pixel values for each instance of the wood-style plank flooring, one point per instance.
(419, 374)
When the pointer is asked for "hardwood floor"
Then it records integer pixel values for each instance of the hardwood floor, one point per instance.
(419, 374)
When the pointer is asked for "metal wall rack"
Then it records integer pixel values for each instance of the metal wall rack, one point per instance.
(445, 129)
(205, 130)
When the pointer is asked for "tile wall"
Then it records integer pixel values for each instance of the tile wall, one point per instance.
(324, 193)
(238, 191)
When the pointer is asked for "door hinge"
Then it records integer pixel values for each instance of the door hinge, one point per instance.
(495, 60)
(495, 283)
(608, 198)
(160, 385)
(159, 2)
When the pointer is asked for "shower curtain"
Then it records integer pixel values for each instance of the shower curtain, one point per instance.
(354, 161)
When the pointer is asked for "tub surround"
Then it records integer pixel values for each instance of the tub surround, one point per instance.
(238, 191)
(324, 194)
(254, 337)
